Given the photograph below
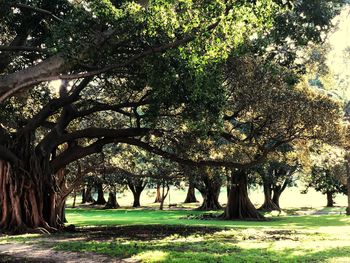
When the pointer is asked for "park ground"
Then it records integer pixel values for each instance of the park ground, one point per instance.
(299, 234)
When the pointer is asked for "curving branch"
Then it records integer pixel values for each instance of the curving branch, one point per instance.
(38, 10)
(53, 106)
(53, 67)
(21, 48)
(77, 152)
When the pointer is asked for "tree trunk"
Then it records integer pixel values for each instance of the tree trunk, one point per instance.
(74, 198)
(276, 198)
(330, 202)
(112, 201)
(191, 197)
(27, 197)
(164, 195)
(83, 196)
(348, 186)
(211, 198)
(136, 187)
(158, 195)
(136, 202)
(100, 195)
(239, 205)
(268, 204)
(228, 185)
(88, 195)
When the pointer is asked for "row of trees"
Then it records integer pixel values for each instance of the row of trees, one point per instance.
(216, 85)
(322, 169)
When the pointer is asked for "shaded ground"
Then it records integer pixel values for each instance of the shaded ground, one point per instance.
(40, 249)
(302, 238)
(149, 232)
(16, 253)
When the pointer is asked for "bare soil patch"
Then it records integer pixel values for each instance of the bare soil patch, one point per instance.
(139, 232)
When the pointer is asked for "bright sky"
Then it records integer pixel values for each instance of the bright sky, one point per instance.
(339, 56)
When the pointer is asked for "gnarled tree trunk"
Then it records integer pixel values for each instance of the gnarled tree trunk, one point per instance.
(239, 205)
(191, 196)
(136, 187)
(100, 195)
(112, 202)
(87, 195)
(268, 204)
(210, 191)
(28, 198)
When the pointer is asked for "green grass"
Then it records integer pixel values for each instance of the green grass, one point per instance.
(253, 244)
(94, 217)
(306, 238)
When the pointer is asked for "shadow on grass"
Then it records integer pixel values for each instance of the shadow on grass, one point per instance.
(204, 251)
(91, 217)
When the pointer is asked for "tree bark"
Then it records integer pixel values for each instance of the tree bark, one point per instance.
(268, 204)
(74, 199)
(136, 187)
(136, 202)
(100, 195)
(112, 201)
(239, 205)
(28, 199)
(88, 194)
(83, 196)
(158, 195)
(330, 201)
(276, 198)
(164, 195)
(210, 191)
(191, 196)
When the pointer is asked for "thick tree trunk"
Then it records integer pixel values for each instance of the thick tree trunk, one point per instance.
(83, 196)
(100, 195)
(239, 205)
(136, 195)
(88, 195)
(158, 195)
(112, 201)
(28, 199)
(276, 198)
(211, 198)
(330, 201)
(268, 204)
(136, 187)
(191, 196)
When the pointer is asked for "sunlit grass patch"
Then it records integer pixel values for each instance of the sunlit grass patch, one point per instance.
(152, 256)
(4, 239)
(230, 245)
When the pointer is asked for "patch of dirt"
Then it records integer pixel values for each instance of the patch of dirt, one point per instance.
(30, 253)
(205, 216)
(139, 232)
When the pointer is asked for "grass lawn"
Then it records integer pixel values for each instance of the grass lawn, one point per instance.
(96, 217)
(310, 238)
(146, 235)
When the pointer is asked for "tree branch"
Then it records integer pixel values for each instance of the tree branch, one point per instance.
(38, 10)
(21, 48)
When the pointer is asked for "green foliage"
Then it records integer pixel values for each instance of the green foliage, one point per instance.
(324, 180)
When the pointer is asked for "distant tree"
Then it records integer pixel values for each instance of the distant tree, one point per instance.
(323, 179)
(275, 178)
